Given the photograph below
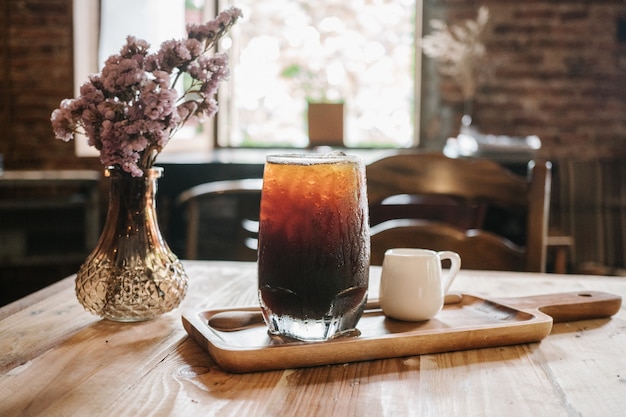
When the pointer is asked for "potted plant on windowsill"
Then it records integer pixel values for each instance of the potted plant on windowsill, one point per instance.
(325, 115)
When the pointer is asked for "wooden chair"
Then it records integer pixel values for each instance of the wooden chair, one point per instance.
(493, 218)
(222, 219)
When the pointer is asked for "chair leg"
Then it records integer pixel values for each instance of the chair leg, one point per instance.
(193, 214)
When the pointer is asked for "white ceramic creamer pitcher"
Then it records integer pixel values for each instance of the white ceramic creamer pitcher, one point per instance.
(413, 284)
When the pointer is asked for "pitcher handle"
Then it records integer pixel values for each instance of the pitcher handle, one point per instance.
(455, 266)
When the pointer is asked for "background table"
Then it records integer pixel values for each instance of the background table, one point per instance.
(57, 360)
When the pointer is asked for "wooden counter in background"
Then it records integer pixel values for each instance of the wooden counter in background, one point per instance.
(49, 221)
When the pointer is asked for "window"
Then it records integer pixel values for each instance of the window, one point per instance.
(101, 28)
(283, 54)
(288, 52)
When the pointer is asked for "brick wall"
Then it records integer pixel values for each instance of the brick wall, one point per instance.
(35, 74)
(556, 69)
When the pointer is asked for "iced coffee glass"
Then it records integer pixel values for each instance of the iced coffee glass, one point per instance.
(314, 246)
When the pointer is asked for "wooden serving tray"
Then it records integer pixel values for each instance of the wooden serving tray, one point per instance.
(467, 322)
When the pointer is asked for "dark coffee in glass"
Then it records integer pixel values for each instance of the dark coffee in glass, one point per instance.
(313, 245)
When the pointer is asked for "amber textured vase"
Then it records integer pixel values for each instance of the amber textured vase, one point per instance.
(132, 275)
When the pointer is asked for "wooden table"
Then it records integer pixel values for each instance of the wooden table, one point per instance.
(57, 360)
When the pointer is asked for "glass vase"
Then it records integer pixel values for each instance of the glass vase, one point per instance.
(132, 275)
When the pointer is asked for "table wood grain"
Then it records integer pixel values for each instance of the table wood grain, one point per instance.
(58, 360)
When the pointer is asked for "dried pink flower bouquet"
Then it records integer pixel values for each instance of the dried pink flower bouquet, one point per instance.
(131, 109)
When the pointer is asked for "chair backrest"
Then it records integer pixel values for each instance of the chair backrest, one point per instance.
(493, 218)
(222, 219)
